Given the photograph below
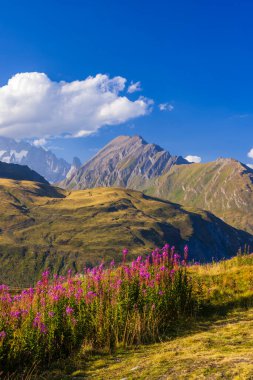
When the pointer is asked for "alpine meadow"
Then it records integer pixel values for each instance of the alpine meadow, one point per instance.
(126, 190)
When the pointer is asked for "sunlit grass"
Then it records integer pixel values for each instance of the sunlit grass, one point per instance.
(216, 344)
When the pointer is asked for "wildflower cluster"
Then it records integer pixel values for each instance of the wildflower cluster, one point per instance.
(133, 303)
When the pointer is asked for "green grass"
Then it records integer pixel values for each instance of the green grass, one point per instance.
(217, 345)
(227, 284)
(45, 227)
(221, 349)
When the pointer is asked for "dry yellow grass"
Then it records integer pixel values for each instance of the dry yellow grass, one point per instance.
(221, 349)
(46, 227)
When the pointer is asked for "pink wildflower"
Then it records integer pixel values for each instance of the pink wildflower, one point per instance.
(69, 310)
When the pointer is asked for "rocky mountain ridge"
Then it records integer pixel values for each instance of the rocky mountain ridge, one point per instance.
(37, 158)
(223, 187)
(123, 162)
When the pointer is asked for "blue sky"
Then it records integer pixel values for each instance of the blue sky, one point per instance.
(194, 55)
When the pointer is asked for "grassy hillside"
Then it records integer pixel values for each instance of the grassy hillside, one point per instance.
(46, 227)
(217, 345)
(224, 187)
(19, 172)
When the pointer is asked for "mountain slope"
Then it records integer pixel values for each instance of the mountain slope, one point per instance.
(125, 162)
(19, 172)
(42, 161)
(43, 226)
(224, 187)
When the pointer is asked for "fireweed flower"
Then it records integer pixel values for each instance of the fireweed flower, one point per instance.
(112, 264)
(4, 288)
(146, 284)
(172, 272)
(69, 310)
(42, 328)
(15, 314)
(37, 320)
(45, 274)
(124, 252)
(186, 252)
(2, 336)
(17, 298)
(78, 294)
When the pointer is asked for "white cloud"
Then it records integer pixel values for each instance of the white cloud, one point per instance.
(134, 87)
(166, 107)
(250, 153)
(250, 166)
(40, 142)
(33, 106)
(195, 159)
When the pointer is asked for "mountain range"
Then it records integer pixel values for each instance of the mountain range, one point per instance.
(131, 194)
(224, 186)
(37, 158)
(43, 226)
(124, 162)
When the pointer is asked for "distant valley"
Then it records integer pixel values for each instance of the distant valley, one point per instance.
(131, 194)
(46, 227)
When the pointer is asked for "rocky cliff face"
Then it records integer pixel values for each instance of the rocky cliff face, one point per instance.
(76, 164)
(42, 161)
(124, 162)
